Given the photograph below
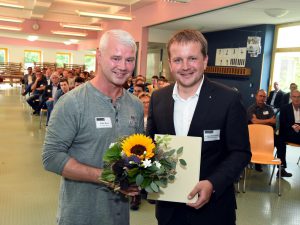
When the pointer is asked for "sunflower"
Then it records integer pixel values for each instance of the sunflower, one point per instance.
(139, 145)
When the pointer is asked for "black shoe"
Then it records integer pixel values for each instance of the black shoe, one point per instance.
(151, 201)
(258, 167)
(35, 112)
(284, 173)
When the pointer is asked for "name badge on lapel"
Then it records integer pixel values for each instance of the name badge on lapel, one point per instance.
(211, 135)
(103, 122)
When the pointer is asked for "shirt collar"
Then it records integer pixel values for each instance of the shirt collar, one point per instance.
(176, 95)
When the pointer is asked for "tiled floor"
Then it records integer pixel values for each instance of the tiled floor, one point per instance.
(28, 194)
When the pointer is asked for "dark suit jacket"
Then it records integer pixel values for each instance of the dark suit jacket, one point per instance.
(287, 120)
(278, 98)
(222, 161)
(285, 99)
(48, 92)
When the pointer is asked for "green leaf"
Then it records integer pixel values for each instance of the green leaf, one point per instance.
(160, 183)
(112, 154)
(154, 187)
(180, 150)
(133, 172)
(139, 179)
(171, 177)
(149, 189)
(182, 162)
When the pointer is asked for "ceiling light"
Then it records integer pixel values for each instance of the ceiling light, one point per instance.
(10, 28)
(11, 5)
(32, 38)
(276, 12)
(107, 16)
(80, 26)
(14, 20)
(68, 33)
(74, 41)
(67, 42)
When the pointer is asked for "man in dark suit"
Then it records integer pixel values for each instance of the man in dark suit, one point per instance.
(275, 98)
(286, 99)
(196, 106)
(289, 129)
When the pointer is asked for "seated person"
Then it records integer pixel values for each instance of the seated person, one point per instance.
(286, 98)
(275, 97)
(138, 88)
(79, 81)
(261, 113)
(289, 129)
(50, 92)
(64, 88)
(37, 89)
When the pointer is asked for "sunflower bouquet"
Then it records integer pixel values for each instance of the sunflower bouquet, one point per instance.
(137, 160)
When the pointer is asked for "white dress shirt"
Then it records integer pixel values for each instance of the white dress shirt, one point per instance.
(184, 110)
(296, 115)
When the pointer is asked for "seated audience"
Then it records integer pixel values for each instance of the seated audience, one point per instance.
(79, 81)
(289, 129)
(286, 99)
(49, 93)
(261, 113)
(28, 80)
(138, 88)
(275, 98)
(64, 88)
(37, 89)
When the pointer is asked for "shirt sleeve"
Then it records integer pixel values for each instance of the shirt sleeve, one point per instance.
(61, 131)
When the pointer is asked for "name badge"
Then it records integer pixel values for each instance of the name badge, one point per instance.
(211, 135)
(103, 122)
(265, 112)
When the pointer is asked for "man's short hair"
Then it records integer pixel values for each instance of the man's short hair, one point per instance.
(141, 86)
(123, 36)
(79, 80)
(64, 80)
(187, 36)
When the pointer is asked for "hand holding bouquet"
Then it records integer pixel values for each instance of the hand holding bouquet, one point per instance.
(137, 160)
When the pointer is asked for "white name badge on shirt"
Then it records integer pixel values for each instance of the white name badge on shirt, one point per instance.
(103, 122)
(265, 112)
(211, 135)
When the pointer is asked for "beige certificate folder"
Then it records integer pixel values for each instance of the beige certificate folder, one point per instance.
(187, 176)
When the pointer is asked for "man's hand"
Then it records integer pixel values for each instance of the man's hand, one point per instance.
(204, 189)
(131, 191)
(296, 128)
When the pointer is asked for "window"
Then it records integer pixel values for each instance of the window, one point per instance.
(90, 62)
(31, 57)
(3, 54)
(286, 64)
(63, 58)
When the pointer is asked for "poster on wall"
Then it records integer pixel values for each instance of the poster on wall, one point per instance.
(231, 57)
(254, 46)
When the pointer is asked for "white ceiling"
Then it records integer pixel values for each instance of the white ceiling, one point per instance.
(245, 14)
(242, 15)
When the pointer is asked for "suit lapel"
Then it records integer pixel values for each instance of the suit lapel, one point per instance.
(169, 112)
(203, 107)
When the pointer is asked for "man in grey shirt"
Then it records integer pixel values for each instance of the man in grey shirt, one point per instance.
(82, 126)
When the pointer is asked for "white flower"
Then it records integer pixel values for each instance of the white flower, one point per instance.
(157, 164)
(147, 163)
(112, 144)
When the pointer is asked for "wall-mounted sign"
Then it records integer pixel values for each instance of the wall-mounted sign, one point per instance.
(231, 57)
